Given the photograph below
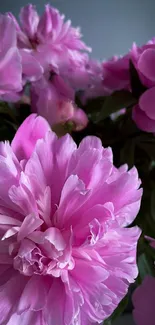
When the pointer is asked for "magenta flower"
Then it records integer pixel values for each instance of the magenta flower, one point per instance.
(116, 75)
(54, 100)
(143, 113)
(143, 301)
(10, 61)
(49, 39)
(65, 256)
(143, 59)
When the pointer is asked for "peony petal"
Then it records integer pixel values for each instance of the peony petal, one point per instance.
(29, 20)
(147, 103)
(10, 61)
(9, 295)
(96, 170)
(5, 220)
(29, 225)
(142, 120)
(143, 301)
(62, 308)
(80, 119)
(73, 195)
(55, 163)
(7, 32)
(45, 25)
(146, 64)
(34, 128)
(27, 318)
(34, 295)
(53, 235)
(31, 68)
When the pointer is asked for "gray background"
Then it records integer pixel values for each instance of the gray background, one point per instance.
(108, 26)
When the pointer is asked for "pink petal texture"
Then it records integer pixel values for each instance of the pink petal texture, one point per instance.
(10, 60)
(143, 301)
(66, 256)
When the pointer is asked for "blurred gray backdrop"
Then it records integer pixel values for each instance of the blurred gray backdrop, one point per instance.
(108, 26)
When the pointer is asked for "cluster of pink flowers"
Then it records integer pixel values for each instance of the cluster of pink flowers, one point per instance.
(114, 75)
(47, 53)
(66, 256)
(67, 253)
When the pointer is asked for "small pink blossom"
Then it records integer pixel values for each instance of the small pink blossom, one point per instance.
(65, 254)
(143, 301)
(53, 99)
(10, 60)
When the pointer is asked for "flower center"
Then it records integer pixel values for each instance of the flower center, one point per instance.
(42, 253)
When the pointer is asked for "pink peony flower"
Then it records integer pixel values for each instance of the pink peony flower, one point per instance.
(65, 254)
(144, 59)
(54, 99)
(143, 301)
(10, 61)
(116, 74)
(49, 40)
(143, 113)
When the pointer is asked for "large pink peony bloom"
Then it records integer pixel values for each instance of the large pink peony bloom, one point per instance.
(54, 99)
(49, 40)
(65, 256)
(143, 301)
(10, 61)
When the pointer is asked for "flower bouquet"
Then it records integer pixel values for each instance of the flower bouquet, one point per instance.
(77, 176)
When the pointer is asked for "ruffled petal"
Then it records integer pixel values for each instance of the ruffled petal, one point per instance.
(142, 120)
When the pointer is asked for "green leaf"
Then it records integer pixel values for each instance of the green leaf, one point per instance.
(78, 96)
(137, 87)
(8, 123)
(62, 128)
(107, 322)
(127, 154)
(148, 147)
(115, 102)
(22, 112)
(153, 204)
(145, 266)
(7, 112)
